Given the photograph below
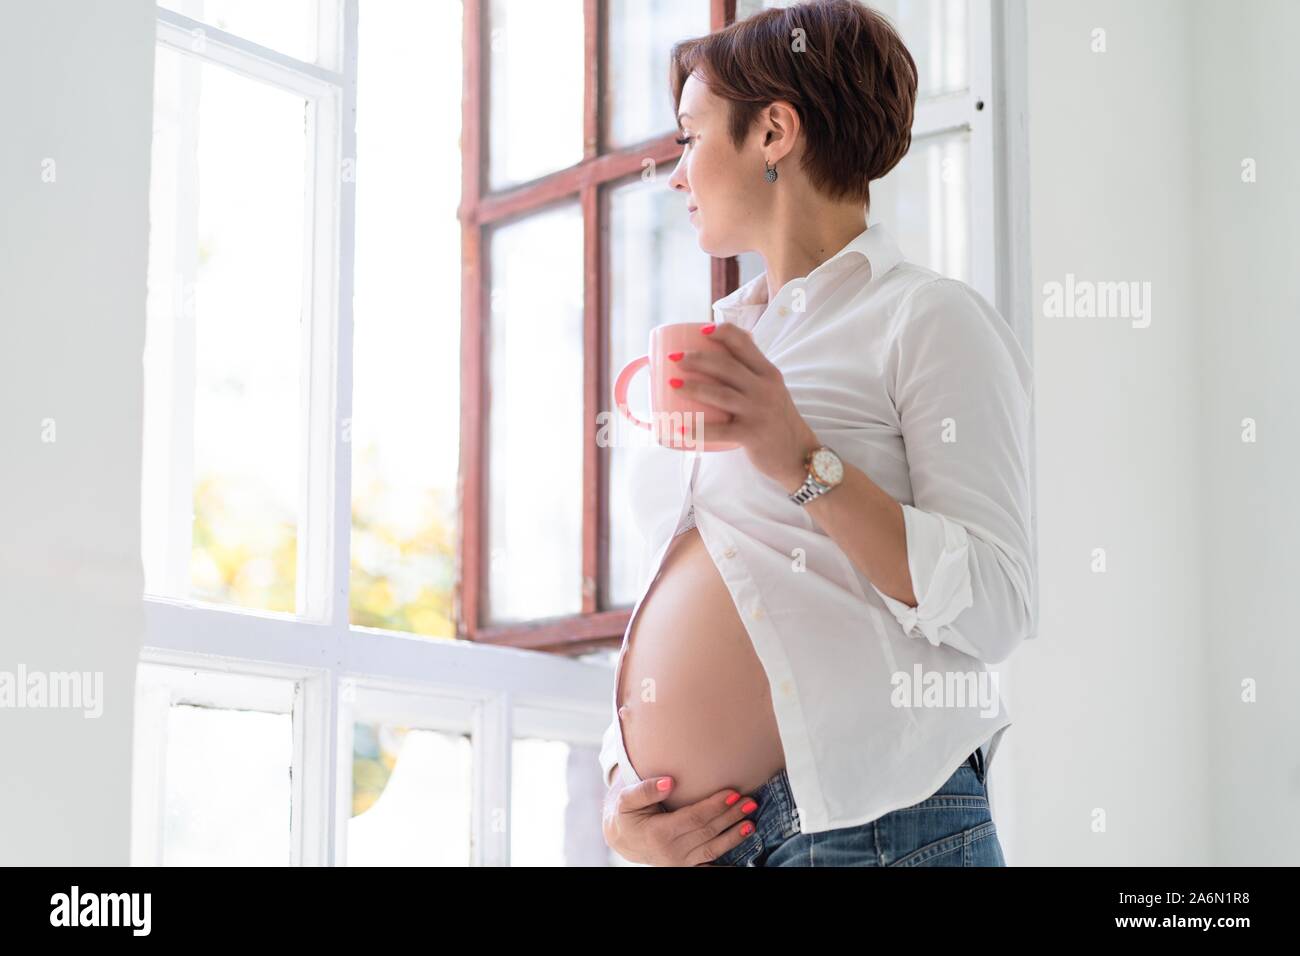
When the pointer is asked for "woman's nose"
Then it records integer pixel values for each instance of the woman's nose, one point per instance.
(678, 179)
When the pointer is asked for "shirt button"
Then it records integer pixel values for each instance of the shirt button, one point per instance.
(757, 614)
(729, 553)
(783, 310)
(786, 688)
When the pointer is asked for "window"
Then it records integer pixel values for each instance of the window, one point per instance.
(566, 235)
(370, 269)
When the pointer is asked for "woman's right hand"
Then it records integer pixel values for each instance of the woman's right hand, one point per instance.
(639, 829)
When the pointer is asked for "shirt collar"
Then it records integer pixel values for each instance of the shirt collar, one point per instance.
(875, 244)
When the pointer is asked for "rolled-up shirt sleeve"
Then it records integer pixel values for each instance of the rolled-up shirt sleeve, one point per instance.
(962, 385)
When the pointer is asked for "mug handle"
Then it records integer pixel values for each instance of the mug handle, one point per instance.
(620, 389)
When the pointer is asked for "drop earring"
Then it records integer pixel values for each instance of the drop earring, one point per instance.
(771, 172)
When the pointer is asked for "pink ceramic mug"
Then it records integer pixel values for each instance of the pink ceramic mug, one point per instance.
(669, 407)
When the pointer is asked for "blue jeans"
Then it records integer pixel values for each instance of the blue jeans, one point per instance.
(952, 827)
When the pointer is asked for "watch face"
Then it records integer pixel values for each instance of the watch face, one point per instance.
(826, 466)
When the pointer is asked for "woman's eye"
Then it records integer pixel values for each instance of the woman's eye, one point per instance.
(682, 140)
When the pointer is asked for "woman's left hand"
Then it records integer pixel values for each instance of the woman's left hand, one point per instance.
(764, 419)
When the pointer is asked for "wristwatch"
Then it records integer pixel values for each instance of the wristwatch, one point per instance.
(825, 471)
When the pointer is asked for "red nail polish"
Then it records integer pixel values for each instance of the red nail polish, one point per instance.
(746, 828)
(664, 783)
(675, 382)
(748, 806)
(676, 356)
(708, 329)
(732, 798)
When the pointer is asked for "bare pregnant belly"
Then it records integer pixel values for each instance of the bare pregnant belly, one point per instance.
(695, 701)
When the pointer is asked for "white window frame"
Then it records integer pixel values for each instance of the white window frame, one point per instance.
(316, 665)
(328, 673)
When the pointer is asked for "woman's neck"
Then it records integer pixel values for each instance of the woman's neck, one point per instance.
(807, 240)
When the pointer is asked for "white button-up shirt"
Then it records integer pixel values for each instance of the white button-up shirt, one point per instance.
(916, 380)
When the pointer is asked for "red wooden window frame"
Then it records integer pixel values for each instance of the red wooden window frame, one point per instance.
(479, 210)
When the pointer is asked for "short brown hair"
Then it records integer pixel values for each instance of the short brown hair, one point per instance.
(853, 83)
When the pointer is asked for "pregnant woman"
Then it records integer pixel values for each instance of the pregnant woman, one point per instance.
(803, 680)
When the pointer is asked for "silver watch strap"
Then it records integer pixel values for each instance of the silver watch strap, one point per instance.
(809, 490)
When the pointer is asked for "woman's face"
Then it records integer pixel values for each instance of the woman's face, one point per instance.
(720, 182)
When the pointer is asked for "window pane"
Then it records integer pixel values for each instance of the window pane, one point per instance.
(288, 26)
(555, 800)
(411, 797)
(406, 361)
(223, 342)
(925, 202)
(751, 265)
(638, 104)
(935, 32)
(605, 658)
(536, 64)
(535, 385)
(657, 275)
(227, 786)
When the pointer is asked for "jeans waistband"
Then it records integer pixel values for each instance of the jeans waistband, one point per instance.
(776, 818)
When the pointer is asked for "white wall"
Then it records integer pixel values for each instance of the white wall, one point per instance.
(1247, 263)
(1129, 702)
(76, 88)
(1111, 695)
